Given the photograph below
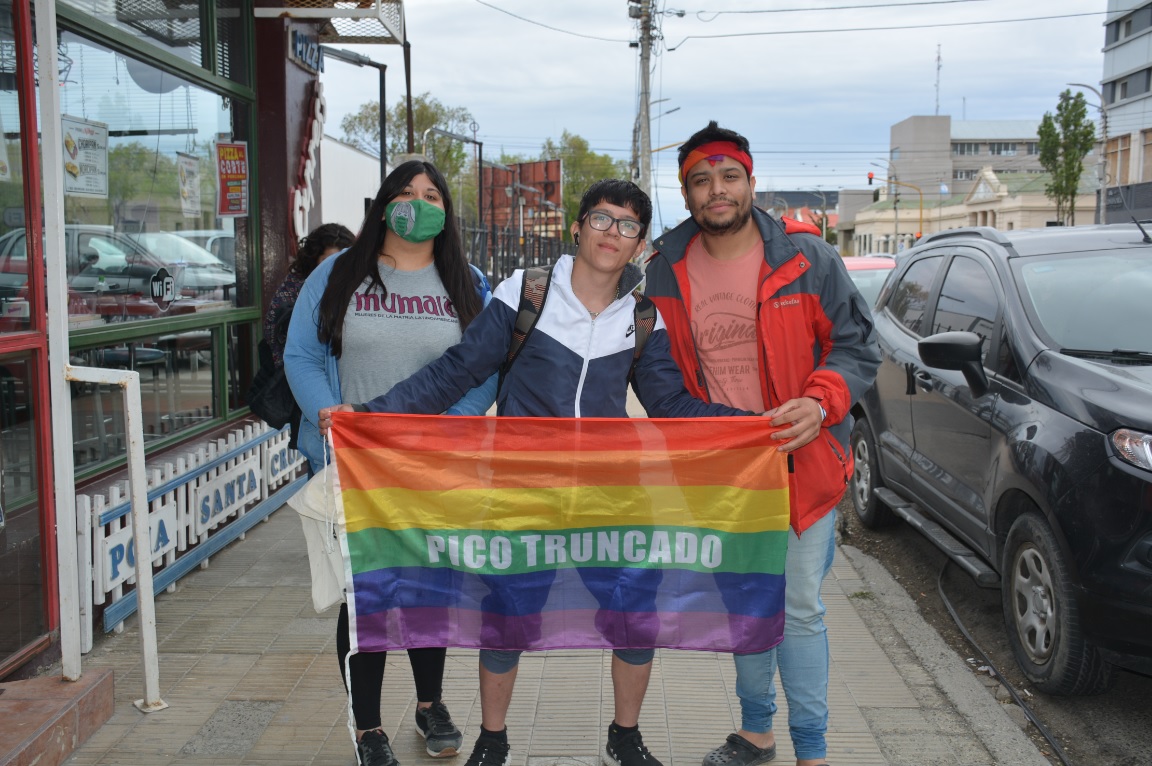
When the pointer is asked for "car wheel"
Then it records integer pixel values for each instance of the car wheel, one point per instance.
(1042, 617)
(866, 478)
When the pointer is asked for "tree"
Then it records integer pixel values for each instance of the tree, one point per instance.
(1064, 142)
(581, 167)
(139, 179)
(362, 130)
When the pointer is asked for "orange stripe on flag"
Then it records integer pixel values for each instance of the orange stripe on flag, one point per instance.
(526, 470)
(437, 433)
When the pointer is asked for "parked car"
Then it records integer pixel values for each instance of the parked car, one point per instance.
(1011, 423)
(112, 272)
(204, 273)
(868, 272)
(219, 242)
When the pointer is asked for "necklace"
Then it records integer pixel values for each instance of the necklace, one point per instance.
(615, 298)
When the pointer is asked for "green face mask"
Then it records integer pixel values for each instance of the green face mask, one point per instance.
(414, 220)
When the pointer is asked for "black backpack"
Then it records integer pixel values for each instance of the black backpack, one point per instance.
(269, 396)
(534, 290)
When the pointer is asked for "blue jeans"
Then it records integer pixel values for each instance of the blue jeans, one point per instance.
(802, 655)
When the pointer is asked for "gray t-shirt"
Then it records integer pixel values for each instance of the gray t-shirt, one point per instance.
(387, 340)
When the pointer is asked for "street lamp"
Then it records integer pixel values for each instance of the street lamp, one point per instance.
(1101, 174)
(823, 214)
(479, 165)
(356, 59)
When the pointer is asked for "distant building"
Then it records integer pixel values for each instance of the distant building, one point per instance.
(933, 154)
(943, 173)
(1005, 201)
(819, 207)
(1126, 88)
(349, 180)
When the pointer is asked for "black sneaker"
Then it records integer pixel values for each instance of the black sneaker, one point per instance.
(627, 750)
(373, 749)
(441, 737)
(489, 752)
(737, 751)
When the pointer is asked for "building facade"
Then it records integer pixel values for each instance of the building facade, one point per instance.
(190, 134)
(1126, 91)
(932, 154)
(1004, 201)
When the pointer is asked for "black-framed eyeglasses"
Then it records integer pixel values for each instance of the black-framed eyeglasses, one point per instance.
(628, 228)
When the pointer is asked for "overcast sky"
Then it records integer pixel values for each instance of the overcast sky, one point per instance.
(816, 104)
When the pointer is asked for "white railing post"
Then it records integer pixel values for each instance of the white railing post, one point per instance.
(129, 383)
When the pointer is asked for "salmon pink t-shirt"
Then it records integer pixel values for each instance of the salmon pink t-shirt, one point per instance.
(723, 313)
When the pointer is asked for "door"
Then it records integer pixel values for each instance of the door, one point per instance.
(951, 463)
(900, 325)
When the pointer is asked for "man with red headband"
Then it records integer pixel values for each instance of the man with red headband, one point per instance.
(762, 315)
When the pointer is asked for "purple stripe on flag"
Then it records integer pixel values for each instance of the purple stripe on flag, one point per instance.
(565, 629)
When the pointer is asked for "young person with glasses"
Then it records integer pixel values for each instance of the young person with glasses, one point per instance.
(577, 362)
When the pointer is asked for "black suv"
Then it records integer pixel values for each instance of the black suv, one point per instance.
(1011, 422)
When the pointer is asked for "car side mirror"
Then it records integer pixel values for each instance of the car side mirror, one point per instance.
(957, 351)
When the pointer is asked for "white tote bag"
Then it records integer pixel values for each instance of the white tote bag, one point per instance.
(322, 516)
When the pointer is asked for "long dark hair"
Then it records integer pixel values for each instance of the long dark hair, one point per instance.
(359, 262)
(311, 247)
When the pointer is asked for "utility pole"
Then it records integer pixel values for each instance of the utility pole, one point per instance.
(642, 146)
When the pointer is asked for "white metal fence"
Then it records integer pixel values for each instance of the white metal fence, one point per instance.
(198, 503)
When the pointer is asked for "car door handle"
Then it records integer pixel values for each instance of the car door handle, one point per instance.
(923, 379)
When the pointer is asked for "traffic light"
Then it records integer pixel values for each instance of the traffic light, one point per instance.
(870, 176)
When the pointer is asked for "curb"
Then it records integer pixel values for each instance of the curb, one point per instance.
(989, 721)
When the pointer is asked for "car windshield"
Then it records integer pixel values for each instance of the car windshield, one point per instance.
(869, 282)
(1090, 301)
(173, 249)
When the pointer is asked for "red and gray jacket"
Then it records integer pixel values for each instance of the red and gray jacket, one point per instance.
(815, 336)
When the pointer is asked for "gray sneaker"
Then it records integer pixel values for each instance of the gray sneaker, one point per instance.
(441, 737)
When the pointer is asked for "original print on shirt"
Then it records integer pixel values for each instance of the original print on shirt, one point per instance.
(724, 324)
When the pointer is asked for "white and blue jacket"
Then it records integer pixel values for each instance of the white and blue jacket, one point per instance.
(571, 365)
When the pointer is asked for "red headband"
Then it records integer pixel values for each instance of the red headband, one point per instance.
(714, 152)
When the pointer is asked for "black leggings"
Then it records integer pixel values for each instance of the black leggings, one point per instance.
(368, 675)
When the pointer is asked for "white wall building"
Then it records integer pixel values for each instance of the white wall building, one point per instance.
(349, 180)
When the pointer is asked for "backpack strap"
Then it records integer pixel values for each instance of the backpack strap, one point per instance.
(645, 319)
(533, 291)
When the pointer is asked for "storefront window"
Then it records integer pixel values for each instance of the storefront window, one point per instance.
(21, 577)
(231, 57)
(14, 310)
(176, 392)
(155, 192)
(173, 25)
(178, 26)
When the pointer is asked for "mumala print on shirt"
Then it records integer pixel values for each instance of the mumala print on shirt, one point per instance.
(389, 337)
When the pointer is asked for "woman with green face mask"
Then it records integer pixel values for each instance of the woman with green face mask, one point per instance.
(366, 319)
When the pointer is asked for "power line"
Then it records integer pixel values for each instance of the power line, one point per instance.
(554, 29)
(879, 29)
(717, 14)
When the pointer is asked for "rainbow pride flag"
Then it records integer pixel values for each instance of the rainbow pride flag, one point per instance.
(542, 533)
